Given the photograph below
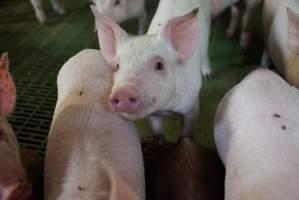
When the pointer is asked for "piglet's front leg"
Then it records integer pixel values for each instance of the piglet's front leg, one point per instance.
(189, 121)
(233, 25)
(156, 123)
(247, 23)
(39, 11)
(57, 7)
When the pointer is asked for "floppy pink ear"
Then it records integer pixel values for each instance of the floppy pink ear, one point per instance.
(293, 30)
(183, 34)
(7, 87)
(109, 34)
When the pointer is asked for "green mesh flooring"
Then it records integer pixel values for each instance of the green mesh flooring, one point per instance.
(37, 52)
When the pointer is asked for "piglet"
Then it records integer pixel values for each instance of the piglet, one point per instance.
(39, 10)
(182, 170)
(281, 27)
(92, 153)
(218, 6)
(159, 73)
(257, 136)
(123, 10)
(13, 183)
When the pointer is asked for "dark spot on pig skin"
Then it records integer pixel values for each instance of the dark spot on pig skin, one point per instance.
(283, 127)
(81, 92)
(80, 188)
(193, 171)
(159, 24)
(276, 115)
(154, 100)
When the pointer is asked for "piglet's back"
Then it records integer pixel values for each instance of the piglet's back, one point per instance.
(256, 132)
(84, 75)
(84, 132)
(263, 101)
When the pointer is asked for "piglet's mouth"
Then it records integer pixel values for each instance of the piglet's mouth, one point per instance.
(142, 113)
(133, 116)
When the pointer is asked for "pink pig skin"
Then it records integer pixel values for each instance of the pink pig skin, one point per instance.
(13, 183)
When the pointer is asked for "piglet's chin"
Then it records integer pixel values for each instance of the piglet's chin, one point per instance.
(141, 114)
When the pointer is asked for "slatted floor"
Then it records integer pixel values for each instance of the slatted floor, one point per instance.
(37, 52)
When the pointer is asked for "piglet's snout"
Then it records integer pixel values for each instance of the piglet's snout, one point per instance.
(125, 100)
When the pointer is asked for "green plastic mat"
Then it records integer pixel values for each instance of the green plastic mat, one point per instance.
(37, 52)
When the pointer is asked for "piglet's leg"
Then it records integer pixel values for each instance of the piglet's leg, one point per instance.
(265, 59)
(189, 121)
(57, 7)
(39, 11)
(142, 22)
(235, 14)
(156, 124)
(206, 70)
(247, 24)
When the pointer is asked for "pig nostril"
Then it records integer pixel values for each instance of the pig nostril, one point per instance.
(132, 100)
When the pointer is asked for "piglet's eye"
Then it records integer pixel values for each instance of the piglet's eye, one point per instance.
(159, 66)
(117, 2)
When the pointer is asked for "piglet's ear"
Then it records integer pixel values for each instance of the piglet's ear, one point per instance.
(110, 34)
(119, 190)
(293, 30)
(183, 34)
(7, 87)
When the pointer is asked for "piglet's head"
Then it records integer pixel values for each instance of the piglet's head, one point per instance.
(13, 184)
(116, 10)
(148, 67)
